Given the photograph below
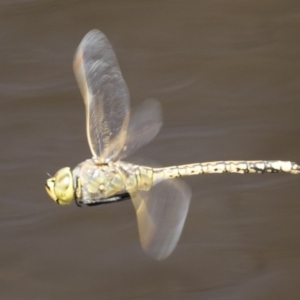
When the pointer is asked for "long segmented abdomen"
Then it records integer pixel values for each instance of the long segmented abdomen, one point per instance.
(241, 167)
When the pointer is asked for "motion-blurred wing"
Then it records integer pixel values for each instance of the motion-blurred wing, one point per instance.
(105, 95)
(144, 124)
(161, 213)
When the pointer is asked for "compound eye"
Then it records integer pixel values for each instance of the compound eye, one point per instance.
(64, 181)
(64, 189)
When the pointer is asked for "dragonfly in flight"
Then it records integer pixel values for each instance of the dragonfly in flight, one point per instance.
(161, 201)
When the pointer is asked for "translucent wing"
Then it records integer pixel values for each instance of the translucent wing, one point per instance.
(105, 95)
(161, 213)
(145, 123)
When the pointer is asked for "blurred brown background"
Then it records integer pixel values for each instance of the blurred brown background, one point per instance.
(227, 74)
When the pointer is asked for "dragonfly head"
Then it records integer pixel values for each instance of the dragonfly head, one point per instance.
(60, 187)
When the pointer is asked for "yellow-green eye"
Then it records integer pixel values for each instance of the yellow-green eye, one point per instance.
(60, 187)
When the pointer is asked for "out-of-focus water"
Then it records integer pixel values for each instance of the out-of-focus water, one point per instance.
(227, 76)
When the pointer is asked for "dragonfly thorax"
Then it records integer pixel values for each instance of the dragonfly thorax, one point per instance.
(95, 182)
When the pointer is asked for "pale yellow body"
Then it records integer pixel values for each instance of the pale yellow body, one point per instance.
(241, 167)
(94, 182)
(114, 132)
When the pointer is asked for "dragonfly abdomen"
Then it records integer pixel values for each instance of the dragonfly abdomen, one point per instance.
(241, 167)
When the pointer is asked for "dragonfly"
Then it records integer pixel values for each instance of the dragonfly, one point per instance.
(161, 201)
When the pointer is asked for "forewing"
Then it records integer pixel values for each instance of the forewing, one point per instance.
(161, 213)
(105, 95)
(144, 124)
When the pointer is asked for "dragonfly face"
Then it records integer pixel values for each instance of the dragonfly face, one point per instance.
(60, 187)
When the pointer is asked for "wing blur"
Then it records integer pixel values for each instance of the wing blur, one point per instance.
(161, 214)
(144, 124)
(105, 95)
